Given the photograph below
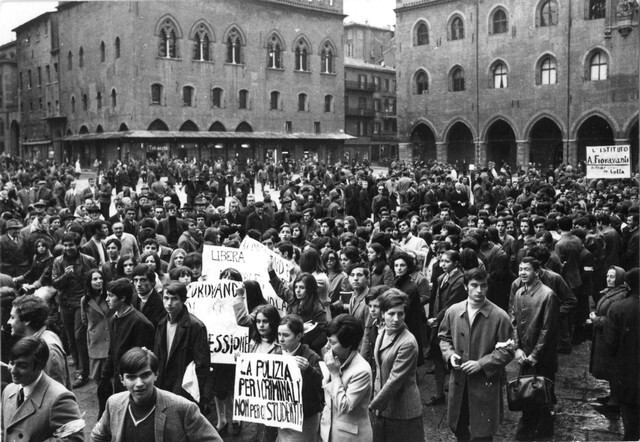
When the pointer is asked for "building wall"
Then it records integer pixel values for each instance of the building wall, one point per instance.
(524, 102)
(139, 66)
(367, 43)
(8, 94)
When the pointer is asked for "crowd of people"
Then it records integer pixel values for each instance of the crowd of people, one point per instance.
(427, 264)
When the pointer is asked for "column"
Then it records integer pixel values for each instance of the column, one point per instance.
(441, 151)
(523, 153)
(481, 153)
(570, 154)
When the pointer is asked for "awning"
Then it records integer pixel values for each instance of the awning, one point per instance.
(36, 142)
(204, 135)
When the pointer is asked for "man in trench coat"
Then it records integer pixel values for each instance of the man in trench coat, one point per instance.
(473, 339)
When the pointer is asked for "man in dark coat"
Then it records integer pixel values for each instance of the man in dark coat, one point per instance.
(622, 339)
(181, 338)
(258, 220)
(534, 314)
(13, 255)
(473, 339)
(148, 302)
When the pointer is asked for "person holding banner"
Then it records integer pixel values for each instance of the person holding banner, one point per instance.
(290, 333)
(303, 300)
(348, 386)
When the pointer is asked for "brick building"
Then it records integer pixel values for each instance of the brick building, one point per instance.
(9, 115)
(198, 79)
(519, 82)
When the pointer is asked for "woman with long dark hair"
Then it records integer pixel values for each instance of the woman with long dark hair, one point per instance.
(39, 275)
(125, 267)
(95, 314)
(334, 273)
(404, 265)
(311, 262)
(303, 300)
(152, 260)
(379, 271)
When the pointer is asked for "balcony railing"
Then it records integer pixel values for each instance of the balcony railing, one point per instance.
(389, 113)
(359, 112)
(357, 86)
(384, 136)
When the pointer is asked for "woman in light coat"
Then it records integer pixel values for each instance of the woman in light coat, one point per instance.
(348, 385)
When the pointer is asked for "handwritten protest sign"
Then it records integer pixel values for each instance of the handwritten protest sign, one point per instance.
(608, 161)
(216, 259)
(264, 254)
(212, 303)
(268, 390)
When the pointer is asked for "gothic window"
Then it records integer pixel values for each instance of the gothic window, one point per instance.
(216, 97)
(549, 13)
(598, 66)
(422, 83)
(274, 53)
(302, 56)
(243, 99)
(499, 22)
(326, 59)
(114, 98)
(168, 44)
(187, 96)
(457, 79)
(202, 44)
(303, 102)
(548, 71)
(275, 100)
(597, 9)
(457, 29)
(234, 46)
(422, 34)
(499, 76)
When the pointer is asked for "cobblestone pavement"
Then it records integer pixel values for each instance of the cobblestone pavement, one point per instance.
(575, 419)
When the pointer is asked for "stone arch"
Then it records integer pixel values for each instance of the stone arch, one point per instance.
(217, 126)
(329, 41)
(174, 22)
(546, 144)
(306, 40)
(189, 126)
(501, 143)
(414, 32)
(123, 128)
(278, 36)
(423, 138)
(244, 127)
(593, 113)
(460, 145)
(158, 124)
(83, 130)
(99, 129)
(243, 37)
(206, 25)
(593, 131)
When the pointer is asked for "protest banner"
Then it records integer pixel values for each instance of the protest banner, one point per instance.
(212, 303)
(264, 255)
(268, 390)
(216, 259)
(608, 161)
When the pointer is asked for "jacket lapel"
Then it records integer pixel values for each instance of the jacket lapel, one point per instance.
(181, 330)
(31, 403)
(160, 417)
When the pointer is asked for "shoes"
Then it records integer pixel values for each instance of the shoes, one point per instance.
(435, 400)
(236, 428)
(224, 430)
(80, 381)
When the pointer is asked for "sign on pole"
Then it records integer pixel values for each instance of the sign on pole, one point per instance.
(609, 161)
(268, 390)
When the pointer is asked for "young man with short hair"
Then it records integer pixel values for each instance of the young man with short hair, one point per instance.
(146, 412)
(473, 339)
(180, 339)
(148, 301)
(34, 406)
(128, 328)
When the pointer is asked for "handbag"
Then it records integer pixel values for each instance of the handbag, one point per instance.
(530, 392)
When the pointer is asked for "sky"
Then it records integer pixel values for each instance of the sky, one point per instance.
(13, 13)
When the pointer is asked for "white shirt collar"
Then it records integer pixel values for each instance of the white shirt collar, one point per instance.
(28, 389)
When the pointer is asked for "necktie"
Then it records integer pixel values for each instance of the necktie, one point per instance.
(20, 397)
(445, 279)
